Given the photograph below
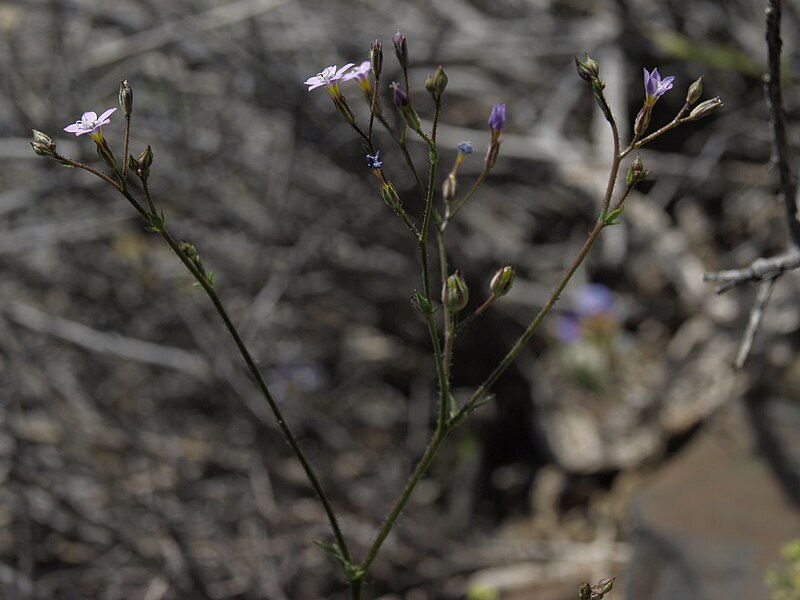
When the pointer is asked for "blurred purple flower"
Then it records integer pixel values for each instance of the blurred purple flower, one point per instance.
(568, 327)
(90, 123)
(655, 87)
(329, 77)
(593, 299)
(497, 119)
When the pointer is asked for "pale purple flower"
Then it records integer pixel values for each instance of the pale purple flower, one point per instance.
(359, 73)
(497, 118)
(329, 77)
(655, 87)
(90, 123)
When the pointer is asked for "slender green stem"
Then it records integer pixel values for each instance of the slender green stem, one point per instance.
(523, 339)
(245, 353)
(470, 193)
(478, 312)
(401, 142)
(125, 141)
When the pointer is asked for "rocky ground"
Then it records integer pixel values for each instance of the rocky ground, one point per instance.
(137, 459)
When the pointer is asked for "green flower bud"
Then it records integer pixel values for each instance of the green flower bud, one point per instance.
(376, 58)
(642, 121)
(705, 108)
(125, 98)
(449, 188)
(584, 592)
(145, 161)
(636, 172)
(695, 91)
(390, 196)
(502, 281)
(455, 293)
(437, 82)
(588, 68)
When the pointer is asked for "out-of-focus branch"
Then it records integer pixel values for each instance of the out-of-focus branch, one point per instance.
(772, 90)
(767, 270)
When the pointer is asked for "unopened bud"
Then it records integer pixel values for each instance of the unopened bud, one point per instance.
(145, 161)
(636, 172)
(390, 196)
(376, 58)
(603, 586)
(449, 188)
(455, 293)
(42, 144)
(133, 164)
(584, 592)
(401, 48)
(695, 91)
(642, 121)
(437, 82)
(125, 98)
(502, 281)
(705, 108)
(588, 68)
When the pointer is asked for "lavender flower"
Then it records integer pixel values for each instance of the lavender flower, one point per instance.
(655, 87)
(329, 77)
(593, 299)
(358, 73)
(90, 123)
(497, 119)
(374, 162)
(465, 147)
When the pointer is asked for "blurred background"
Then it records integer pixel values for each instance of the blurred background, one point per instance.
(137, 459)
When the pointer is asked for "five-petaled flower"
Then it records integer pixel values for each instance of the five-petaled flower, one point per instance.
(90, 123)
(655, 87)
(374, 162)
(329, 77)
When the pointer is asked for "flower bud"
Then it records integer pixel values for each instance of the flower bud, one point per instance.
(42, 144)
(588, 68)
(695, 91)
(602, 587)
(502, 281)
(584, 592)
(497, 118)
(133, 163)
(126, 98)
(449, 188)
(389, 195)
(437, 82)
(376, 58)
(642, 121)
(705, 108)
(145, 161)
(636, 172)
(401, 48)
(455, 293)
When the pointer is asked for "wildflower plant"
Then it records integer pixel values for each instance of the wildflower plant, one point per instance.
(443, 297)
